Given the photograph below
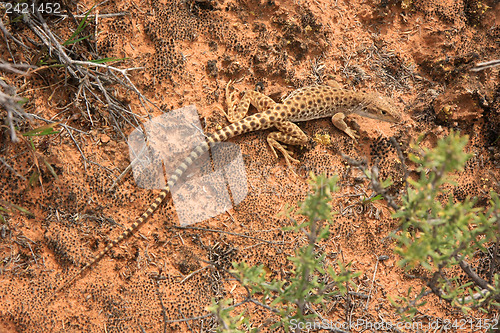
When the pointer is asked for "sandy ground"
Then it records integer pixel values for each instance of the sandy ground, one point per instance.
(419, 54)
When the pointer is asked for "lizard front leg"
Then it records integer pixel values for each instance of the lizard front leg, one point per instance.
(289, 134)
(338, 121)
(237, 111)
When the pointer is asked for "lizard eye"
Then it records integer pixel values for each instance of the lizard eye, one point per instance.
(384, 112)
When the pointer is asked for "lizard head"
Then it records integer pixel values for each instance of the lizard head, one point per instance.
(376, 107)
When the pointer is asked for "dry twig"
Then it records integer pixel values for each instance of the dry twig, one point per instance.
(9, 99)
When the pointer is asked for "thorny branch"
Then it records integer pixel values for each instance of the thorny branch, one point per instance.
(484, 65)
(93, 78)
(433, 282)
(375, 183)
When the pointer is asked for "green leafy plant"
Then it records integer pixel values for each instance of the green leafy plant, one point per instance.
(9, 208)
(73, 40)
(228, 323)
(289, 299)
(82, 25)
(38, 132)
(440, 236)
(41, 131)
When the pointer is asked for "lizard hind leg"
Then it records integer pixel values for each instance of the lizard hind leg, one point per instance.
(237, 111)
(289, 134)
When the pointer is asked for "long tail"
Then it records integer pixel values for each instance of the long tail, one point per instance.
(245, 125)
(127, 233)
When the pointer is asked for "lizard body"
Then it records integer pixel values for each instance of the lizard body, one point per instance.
(308, 103)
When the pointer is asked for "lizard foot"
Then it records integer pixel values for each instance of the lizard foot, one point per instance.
(287, 154)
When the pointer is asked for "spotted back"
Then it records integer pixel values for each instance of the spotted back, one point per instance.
(317, 101)
(313, 102)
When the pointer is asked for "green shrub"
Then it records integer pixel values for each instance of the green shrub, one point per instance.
(437, 238)
(440, 236)
(290, 299)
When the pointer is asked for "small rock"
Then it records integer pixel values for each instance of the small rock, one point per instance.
(104, 138)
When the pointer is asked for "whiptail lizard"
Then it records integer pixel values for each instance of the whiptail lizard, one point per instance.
(308, 103)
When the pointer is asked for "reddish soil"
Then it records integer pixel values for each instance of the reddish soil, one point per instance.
(419, 54)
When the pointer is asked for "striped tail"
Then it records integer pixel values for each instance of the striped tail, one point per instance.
(245, 125)
(126, 234)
